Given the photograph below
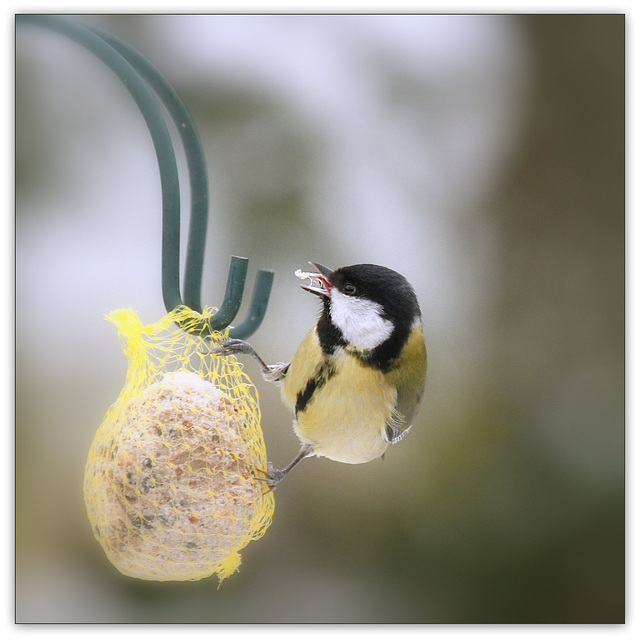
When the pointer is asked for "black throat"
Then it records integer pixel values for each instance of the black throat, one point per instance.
(329, 335)
(382, 357)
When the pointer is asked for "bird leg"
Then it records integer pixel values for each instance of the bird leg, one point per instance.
(270, 372)
(273, 477)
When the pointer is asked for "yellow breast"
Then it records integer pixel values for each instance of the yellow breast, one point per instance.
(344, 419)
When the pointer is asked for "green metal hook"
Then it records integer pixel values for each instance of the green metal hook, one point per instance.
(196, 164)
(258, 308)
(136, 72)
(233, 295)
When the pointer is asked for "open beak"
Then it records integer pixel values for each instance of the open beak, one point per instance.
(320, 280)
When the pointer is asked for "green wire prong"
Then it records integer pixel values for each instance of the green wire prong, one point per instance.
(258, 308)
(138, 75)
(232, 296)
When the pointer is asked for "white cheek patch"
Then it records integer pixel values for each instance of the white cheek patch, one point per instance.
(359, 320)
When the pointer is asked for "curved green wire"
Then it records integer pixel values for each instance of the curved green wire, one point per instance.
(145, 101)
(258, 308)
(196, 165)
(127, 63)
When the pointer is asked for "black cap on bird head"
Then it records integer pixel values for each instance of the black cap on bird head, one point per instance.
(379, 284)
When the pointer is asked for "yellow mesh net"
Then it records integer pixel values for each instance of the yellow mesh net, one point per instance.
(170, 483)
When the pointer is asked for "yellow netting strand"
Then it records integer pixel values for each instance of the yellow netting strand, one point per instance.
(170, 483)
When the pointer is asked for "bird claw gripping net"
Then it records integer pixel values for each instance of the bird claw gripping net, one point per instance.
(170, 482)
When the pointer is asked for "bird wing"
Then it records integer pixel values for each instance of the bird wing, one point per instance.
(401, 419)
(413, 368)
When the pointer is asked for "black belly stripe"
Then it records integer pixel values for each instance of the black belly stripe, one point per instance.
(324, 373)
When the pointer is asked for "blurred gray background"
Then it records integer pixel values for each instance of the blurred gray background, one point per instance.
(481, 156)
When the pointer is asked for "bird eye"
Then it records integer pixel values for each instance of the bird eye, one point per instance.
(349, 288)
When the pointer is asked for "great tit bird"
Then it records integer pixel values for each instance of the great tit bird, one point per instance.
(357, 378)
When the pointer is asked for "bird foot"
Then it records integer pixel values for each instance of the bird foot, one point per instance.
(233, 346)
(272, 477)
